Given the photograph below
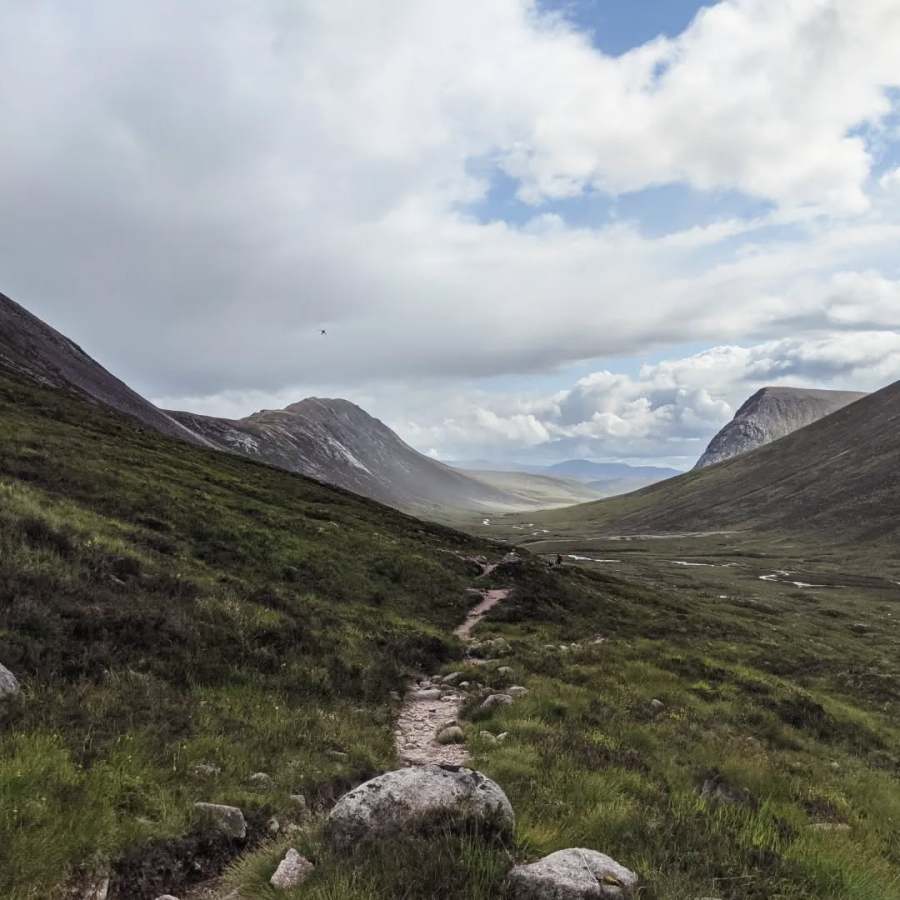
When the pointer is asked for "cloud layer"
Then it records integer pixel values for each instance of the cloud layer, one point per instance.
(193, 190)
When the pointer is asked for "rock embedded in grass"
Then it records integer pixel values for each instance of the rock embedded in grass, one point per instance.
(205, 770)
(401, 801)
(292, 871)
(574, 874)
(9, 684)
(496, 700)
(517, 691)
(261, 781)
(227, 819)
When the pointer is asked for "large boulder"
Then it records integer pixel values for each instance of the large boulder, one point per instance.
(574, 874)
(9, 684)
(409, 798)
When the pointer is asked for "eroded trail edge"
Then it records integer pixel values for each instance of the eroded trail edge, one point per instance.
(432, 705)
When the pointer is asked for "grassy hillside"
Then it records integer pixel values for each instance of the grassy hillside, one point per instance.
(835, 479)
(165, 606)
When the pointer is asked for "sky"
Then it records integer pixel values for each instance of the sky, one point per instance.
(532, 230)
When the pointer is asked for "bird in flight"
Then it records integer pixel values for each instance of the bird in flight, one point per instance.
(323, 331)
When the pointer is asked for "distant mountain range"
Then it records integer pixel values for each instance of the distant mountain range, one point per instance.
(836, 478)
(772, 413)
(605, 479)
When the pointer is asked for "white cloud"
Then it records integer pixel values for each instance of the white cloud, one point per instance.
(668, 412)
(193, 190)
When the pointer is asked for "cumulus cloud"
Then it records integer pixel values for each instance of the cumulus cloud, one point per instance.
(667, 412)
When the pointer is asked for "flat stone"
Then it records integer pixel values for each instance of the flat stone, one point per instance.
(574, 874)
(517, 691)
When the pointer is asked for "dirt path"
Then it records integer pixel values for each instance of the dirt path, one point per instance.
(430, 705)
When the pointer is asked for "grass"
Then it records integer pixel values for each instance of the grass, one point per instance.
(166, 607)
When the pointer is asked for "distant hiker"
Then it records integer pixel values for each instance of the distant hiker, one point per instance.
(558, 559)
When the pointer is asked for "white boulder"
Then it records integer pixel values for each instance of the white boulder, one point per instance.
(401, 800)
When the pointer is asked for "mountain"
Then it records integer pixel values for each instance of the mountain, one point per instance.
(597, 479)
(331, 440)
(32, 348)
(586, 470)
(337, 442)
(835, 479)
(772, 413)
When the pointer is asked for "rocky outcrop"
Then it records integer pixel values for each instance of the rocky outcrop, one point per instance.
(9, 684)
(770, 414)
(574, 874)
(408, 798)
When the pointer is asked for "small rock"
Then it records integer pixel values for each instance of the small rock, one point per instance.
(261, 781)
(227, 819)
(502, 736)
(9, 684)
(656, 706)
(505, 670)
(300, 805)
(572, 875)
(399, 801)
(205, 770)
(338, 755)
(273, 826)
(395, 695)
(452, 678)
(451, 735)
(98, 889)
(428, 694)
(496, 700)
(166, 897)
(517, 691)
(292, 871)
(829, 826)
(488, 737)
(464, 685)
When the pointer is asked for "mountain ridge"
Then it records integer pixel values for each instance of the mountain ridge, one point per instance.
(769, 414)
(835, 479)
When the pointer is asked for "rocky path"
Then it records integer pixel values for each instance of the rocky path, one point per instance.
(432, 705)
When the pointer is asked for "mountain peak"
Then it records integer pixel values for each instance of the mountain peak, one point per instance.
(769, 414)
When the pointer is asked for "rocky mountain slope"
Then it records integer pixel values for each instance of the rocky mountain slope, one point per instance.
(30, 347)
(770, 414)
(835, 479)
(337, 442)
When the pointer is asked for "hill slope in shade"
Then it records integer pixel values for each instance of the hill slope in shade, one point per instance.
(30, 347)
(772, 413)
(337, 442)
(837, 479)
